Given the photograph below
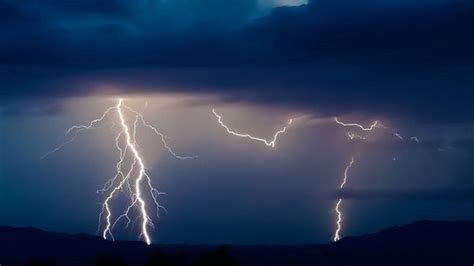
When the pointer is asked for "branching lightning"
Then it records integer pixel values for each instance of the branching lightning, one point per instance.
(130, 174)
(131, 177)
(352, 136)
(269, 143)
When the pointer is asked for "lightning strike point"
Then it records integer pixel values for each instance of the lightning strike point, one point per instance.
(339, 201)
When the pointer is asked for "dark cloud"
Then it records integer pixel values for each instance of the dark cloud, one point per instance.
(337, 32)
(10, 15)
(400, 59)
(76, 7)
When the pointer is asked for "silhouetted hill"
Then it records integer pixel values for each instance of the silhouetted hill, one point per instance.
(421, 243)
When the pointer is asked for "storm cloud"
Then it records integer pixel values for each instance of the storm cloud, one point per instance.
(330, 57)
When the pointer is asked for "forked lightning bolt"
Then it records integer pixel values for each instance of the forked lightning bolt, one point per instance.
(269, 143)
(352, 136)
(339, 201)
(130, 176)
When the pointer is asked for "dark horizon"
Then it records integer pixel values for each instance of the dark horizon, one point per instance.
(421, 243)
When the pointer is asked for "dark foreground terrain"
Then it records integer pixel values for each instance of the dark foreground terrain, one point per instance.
(421, 243)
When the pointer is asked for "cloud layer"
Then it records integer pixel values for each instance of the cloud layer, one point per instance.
(402, 59)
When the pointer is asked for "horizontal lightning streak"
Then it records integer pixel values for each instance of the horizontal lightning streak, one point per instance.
(270, 143)
(374, 125)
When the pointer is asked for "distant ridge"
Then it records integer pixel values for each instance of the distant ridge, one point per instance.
(422, 243)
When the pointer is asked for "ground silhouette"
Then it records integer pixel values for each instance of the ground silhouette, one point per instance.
(421, 243)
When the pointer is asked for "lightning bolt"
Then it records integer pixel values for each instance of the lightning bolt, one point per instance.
(374, 125)
(77, 129)
(130, 171)
(344, 180)
(339, 201)
(269, 143)
(352, 136)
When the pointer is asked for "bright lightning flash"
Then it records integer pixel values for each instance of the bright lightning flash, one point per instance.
(130, 176)
(375, 124)
(352, 136)
(339, 201)
(269, 143)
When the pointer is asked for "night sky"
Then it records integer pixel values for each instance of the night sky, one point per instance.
(406, 63)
